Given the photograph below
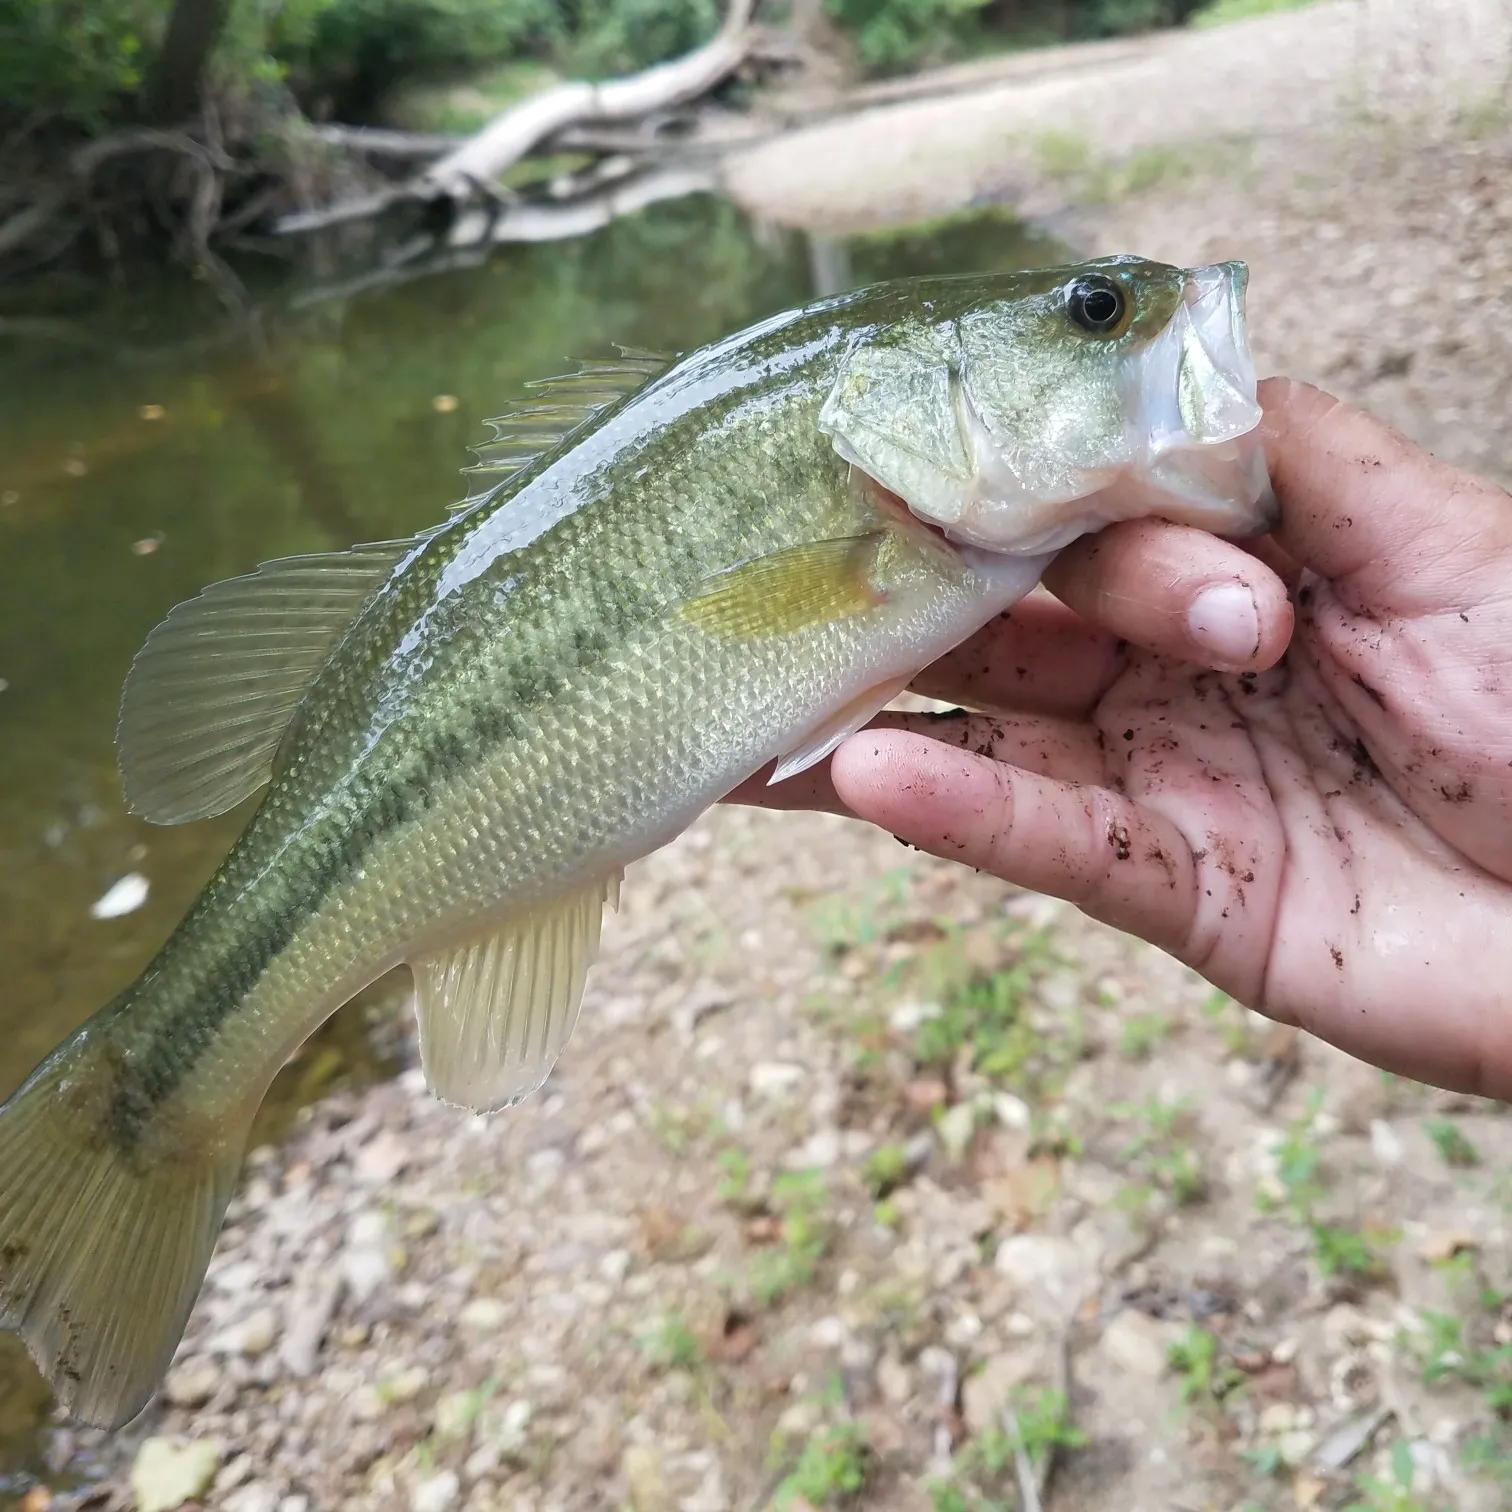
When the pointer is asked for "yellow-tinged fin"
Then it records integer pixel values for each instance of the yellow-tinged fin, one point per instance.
(791, 589)
(856, 715)
(495, 1015)
(103, 1244)
(557, 408)
(211, 692)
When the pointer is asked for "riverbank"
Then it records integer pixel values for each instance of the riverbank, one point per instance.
(853, 1150)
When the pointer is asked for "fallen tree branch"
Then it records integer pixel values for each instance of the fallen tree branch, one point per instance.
(510, 136)
(470, 170)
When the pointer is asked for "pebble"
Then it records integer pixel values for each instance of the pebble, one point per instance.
(192, 1383)
(253, 1336)
(1139, 1345)
(1385, 1143)
(436, 1493)
(894, 1380)
(985, 1393)
(166, 1474)
(254, 1497)
(956, 1127)
(1030, 1258)
(404, 1385)
(775, 1079)
(483, 1314)
(645, 1477)
(456, 1413)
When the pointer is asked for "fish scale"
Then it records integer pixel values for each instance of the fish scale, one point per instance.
(465, 738)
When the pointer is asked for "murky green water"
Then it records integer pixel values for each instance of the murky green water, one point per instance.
(131, 475)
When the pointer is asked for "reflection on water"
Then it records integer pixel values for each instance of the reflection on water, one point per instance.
(130, 480)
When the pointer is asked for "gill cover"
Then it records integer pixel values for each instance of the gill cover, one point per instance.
(1024, 421)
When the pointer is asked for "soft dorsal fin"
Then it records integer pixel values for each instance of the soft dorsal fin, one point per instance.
(211, 692)
(554, 409)
(495, 1014)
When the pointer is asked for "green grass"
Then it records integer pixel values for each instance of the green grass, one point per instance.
(1391, 1493)
(671, 1345)
(982, 1476)
(1221, 12)
(831, 1470)
(1140, 1033)
(800, 1197)
(1453, 1147)
(1203, 1374)
(1338, 1248)
(885, 1170)
(1162, 1152)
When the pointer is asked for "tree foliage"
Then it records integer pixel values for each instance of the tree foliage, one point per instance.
(86, 61)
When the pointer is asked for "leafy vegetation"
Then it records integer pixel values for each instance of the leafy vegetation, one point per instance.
(982, 1477)
(88, 64)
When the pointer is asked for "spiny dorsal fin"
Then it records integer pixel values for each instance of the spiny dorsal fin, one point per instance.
(495, 1014)
(555, 409)
(211, 692)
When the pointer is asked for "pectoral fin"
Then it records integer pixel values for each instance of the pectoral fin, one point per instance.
(856, 715)
(494, 1015)
(791, 590)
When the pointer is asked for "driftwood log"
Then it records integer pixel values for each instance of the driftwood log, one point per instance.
(466, 172)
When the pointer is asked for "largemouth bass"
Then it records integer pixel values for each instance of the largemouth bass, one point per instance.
(666, 575)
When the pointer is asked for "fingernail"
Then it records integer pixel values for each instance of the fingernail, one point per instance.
(1225, 623)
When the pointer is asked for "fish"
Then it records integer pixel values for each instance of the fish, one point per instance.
(667, 573)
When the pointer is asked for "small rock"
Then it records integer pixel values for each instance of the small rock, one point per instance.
(1030, 1258)
(254, 1497)
(924, 1093)
(233, 1473)
(894, 1380)
(404, 1385)
(1296, 1446)
(308, 1317)
(436, 1493)
(614, 1266)
(508, 1428)
(1385, 1144)
(483, 1314)
(365, 1269)
(456, 1413)
(253, 1336)
(167, 1474)
(774, 1078)
(1012, 1112)
(1278, 1418)
(907, 1017)
(296, 1501)
(645, 1478)
(381, 1158)
(956, 1127)
(985, 1393)
(1138, 1344)
(1437, 1248)
(799, 1419)
(192, 1383)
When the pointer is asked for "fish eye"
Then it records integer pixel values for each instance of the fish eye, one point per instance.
(1097, 304)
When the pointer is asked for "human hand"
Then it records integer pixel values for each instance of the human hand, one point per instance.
(1326, 834)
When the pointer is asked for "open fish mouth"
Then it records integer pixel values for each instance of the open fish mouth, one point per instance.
(1196, 408)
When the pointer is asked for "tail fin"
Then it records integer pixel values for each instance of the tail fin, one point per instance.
(103, 1244)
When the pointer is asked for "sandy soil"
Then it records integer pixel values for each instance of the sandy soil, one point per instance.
(854, 1152)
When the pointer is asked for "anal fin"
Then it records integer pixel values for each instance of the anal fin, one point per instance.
(840, 725)
(495, 1014)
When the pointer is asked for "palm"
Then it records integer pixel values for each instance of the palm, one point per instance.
(1329, 840)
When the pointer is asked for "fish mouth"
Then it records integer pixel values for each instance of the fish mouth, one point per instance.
(1193, 398)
